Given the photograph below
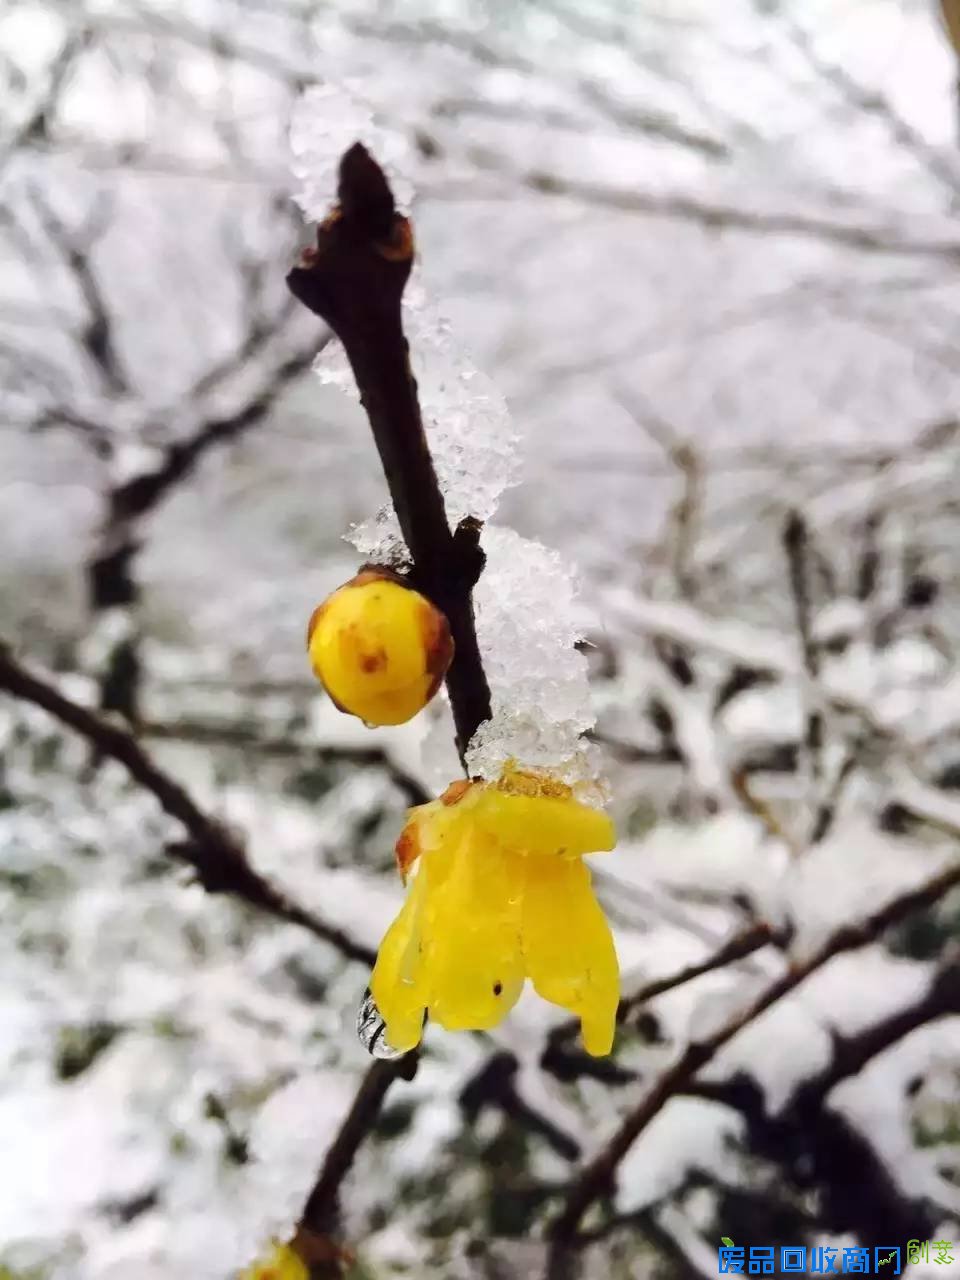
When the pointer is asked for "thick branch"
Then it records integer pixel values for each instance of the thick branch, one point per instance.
(216, 856)
(354, 280)
(597, 1176)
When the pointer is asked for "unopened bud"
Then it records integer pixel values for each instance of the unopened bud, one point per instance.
(379, 648)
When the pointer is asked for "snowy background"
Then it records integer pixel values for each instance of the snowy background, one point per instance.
(708, 255)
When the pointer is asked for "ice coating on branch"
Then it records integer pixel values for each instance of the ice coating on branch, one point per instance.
(474, 446)
(327, 120)
(528, 626)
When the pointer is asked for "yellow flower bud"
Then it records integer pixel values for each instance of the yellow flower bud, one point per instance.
(379, 648)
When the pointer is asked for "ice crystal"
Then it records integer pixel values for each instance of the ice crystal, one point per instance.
(527, 625)
(472, 441)
(327, 121)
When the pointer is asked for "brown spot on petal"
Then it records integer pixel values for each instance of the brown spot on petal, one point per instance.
(456, 791)
(407, 850)
(371, 662)
(437, 645)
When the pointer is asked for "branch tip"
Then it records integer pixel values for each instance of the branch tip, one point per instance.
(364, 193)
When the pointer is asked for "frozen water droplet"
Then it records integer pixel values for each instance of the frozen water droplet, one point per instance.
(372, 1030)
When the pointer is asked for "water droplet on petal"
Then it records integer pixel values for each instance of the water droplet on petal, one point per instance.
(372, 1030)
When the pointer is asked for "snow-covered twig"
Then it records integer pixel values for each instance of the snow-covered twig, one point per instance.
(216, 856)
(354, 280)
(796, 543)
(597, 1176)
(863, 1193)
(862, 237)
(322, 1208)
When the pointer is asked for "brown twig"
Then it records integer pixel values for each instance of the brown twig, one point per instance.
(216, 856)
(354, 280)
(796, 544)
(684, 519)
(876, 238)
(321, 1209)
(740, 782)
(597, 1176)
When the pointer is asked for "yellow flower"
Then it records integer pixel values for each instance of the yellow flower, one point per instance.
(501, 894)
(379, 648)
(282, 1263)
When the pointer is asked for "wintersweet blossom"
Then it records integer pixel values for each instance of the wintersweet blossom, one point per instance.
(500, 894)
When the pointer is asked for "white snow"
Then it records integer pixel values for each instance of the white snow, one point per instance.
(527, 626)
(328, 119)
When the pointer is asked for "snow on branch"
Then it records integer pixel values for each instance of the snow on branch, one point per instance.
(354, 280)
(215, 855)
(597, 1175)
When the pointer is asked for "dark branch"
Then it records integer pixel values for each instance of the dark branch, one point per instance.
(140, 495)
(495, 1085)
(216, 856)
(796, 544)
(712, 216)
(96, 333)
(321, 1212)
(354, 280)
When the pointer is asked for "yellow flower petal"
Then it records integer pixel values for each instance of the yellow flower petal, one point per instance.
(543, 824)
(483, 914)
(568, 949)
(282, 1263)
(397, 983)
(472, 936)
